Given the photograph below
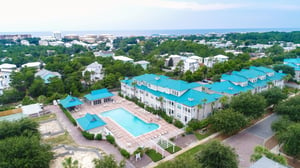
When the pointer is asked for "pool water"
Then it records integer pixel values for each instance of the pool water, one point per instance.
(130, 122)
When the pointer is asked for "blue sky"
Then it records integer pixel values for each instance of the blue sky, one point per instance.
(76, 15)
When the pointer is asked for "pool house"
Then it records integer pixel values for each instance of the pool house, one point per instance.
(71, 103)
(99, 97)
(91, 123)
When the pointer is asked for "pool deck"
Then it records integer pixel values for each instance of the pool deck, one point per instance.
(123, 138)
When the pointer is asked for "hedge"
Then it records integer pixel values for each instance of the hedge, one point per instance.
(125, 153)
(69, 115)
(111, 139)
(98, 137)
(88, 135)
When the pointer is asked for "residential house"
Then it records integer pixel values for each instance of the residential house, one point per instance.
(265, 162)
(36, 65)
(184, 101)
(190, 65)
(172, 61)
(104, 54)
(254, 79)
(46, 75)
(96, 71)
(295, 63)
(210, 61)
(123, 58)
(143, 63)
(5, 72)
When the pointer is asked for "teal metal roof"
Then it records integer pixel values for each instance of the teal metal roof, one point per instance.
(277, 76)
(262, 69)
(90, 121)
(260, 83)
(98, 94)
(249, 73)
(233, 78)
(166, 82)
(70, 101)
(228, 87)
(292, 62)
(190, 98)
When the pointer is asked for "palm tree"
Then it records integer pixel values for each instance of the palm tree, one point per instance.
(199, 106)
(69, 163)
(161, 99)
(204, 101)
(270, 84)
(224, 100)
(134, 83)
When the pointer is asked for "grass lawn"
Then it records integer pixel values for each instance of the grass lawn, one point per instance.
(65, 139)
(44, 117)
(170, 149)
(201, 136)
(155, 156)
(192, 151)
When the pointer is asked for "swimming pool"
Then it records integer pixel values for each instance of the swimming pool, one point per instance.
(130, 122)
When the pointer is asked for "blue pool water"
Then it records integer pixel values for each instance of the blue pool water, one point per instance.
(130, 122)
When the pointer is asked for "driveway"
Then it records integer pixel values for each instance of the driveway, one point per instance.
(81, 141)
(245, 141)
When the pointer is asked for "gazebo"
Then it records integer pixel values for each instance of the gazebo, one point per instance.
(70, 102)
(99, 96)
(89, 122)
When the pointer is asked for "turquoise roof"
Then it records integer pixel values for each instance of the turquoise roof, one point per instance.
(277, 76)
(166, 82)
(249, 73)
(228, 87)
(293, 62)
(90, 121)
(190, 98)
(98, 94)
(262, 69)
(233, 78)
(70, 101)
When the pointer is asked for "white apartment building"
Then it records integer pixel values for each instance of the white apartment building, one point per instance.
(210, 61)
(95, 70)
(184, 101)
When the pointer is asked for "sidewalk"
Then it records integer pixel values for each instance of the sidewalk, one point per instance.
(170, 157)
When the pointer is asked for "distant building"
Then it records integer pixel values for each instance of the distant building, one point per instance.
(36, 65)
(46, 75)
(255, 79)
(71, 37)
(96, 72)
(14, 37)
(143, 63)
(210, 61)
(57, 35)
(172, 61)
(295, 63)
(25, 42)
(265, 162)
(123, 58)
(5, 72)
(104, 54)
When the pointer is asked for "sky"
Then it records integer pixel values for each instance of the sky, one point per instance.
(81, 15)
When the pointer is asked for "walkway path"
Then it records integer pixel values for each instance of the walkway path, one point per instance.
(170, 157)
(245, 141)
(81, 141)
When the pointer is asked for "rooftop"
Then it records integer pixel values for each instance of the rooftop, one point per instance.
(98, 94)
(70, 101)
(265, 162)
(228, 87)
(90, 121)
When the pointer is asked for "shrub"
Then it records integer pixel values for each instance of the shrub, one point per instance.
(196, 124)
(88, 135)
(111, 139)
(98, 137)
(139, 150)
(189, 130)
(69, 116)
(125, 153)
(178, 124)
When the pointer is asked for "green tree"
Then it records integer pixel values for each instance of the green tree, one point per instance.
(37, 88)
(224, 101)
(285, 69)
(251, 105)
(56, 85)
(180, 162)
(27, 152)
(261, 151)
(23, 127)
(290, 140)
(108, 161)
(228, 121)
(291, 108)
(217, 155)
(70, 163)
(27, 100)
(273, 95)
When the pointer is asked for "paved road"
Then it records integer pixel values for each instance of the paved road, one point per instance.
(80, 140)
(245, 141)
